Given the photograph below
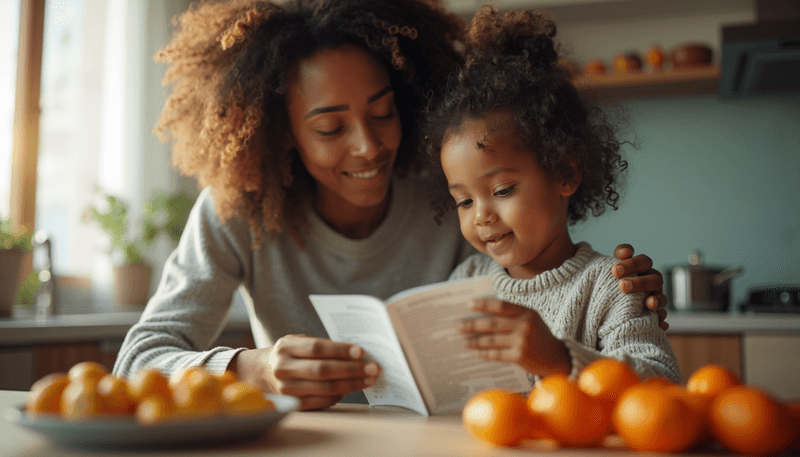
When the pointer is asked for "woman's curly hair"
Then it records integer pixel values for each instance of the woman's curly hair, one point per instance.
(512, 66)
(229, 64)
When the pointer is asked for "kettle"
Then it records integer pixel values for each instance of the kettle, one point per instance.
(698, 287)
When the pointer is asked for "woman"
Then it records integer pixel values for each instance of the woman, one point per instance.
(299, 120)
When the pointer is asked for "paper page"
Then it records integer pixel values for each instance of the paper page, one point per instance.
(447, 373)
(362, 320)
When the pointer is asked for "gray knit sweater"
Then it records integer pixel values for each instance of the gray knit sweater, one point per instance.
(582, 305)
(189, 309)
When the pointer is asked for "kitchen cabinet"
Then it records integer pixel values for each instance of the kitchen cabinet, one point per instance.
(22, 366)
(697, 350)
(772, 362)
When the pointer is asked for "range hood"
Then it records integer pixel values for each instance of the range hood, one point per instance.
(763, 59)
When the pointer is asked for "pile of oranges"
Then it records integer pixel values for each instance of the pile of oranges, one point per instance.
(89, 391)
(608, 404)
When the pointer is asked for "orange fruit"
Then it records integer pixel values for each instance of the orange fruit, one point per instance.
(651, 418)
(710, 380)
(81, 400)
(227, 378)
(569, 415)
(180, 375)
(659, 382)
(655, 57)
(87, 370)
(242, 398)
(606, 379)
(148, 382)
(497, 417)
(595, 67)
(116, 398)
(700, 406)
(45, 394)
(154, 409)
(746, 420)
(198, 395)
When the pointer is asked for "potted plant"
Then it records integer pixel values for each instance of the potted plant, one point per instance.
(15, 244)
(164, 213)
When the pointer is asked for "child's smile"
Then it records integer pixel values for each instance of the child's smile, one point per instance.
(508, 205)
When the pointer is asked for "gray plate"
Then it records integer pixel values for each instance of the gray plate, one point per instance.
(113, 432)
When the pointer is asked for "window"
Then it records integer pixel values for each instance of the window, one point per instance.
(100, 95)
(9, 34)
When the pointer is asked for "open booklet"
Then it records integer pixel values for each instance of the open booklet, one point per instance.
(413, 337)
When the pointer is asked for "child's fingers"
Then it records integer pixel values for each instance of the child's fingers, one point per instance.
(486, 324)
(489, 340)
(510, 355)
(495, 306)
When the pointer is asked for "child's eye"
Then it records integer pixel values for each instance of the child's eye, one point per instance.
(329, 132)
(504, 192)
(463, 203)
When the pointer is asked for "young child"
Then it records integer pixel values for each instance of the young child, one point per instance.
(524, 157)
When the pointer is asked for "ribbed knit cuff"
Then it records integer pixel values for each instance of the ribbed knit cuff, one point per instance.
(580, 355)
(218, 362)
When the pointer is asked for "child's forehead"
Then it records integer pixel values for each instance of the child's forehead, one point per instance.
(491, 129)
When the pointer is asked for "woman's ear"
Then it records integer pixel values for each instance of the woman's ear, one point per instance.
(569, 185)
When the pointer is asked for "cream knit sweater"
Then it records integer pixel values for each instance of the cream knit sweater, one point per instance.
(582, 305)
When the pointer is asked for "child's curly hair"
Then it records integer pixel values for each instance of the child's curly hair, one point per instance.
(228, 64)
(512, 66)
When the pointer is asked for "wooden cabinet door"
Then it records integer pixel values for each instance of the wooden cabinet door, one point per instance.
(772, 362)
(696, 350)
(59, 358)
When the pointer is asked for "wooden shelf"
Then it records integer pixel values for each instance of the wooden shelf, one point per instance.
(694, 81)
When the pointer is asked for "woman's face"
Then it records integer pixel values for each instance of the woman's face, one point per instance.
(346, 128)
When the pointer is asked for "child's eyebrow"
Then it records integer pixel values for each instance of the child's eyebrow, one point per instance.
(496, 171)
(491, 172)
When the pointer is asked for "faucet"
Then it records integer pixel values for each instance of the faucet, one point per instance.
(46, 296)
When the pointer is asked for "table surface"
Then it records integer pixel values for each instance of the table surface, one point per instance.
(344, 430)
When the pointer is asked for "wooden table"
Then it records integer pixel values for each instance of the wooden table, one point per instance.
(344, 430)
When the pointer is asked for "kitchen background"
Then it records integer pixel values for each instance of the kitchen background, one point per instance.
(710, 173)
(718, 175)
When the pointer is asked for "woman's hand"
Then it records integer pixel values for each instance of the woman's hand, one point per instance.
(316, 370)
(637, 274)
(514, 334)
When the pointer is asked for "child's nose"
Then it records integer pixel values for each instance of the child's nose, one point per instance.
(485, 214)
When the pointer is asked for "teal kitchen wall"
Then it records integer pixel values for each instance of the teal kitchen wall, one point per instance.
(721, 176)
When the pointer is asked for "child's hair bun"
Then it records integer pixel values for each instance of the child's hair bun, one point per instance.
(520, 35)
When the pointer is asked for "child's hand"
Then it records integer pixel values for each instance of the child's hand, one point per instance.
(514, 334)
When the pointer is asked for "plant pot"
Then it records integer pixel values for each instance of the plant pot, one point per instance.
(11, 263)
(132, 283)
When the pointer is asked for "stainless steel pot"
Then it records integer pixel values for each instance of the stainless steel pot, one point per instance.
(698, 287)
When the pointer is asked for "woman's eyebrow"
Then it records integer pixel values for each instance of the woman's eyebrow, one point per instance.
(380, 94)
(331, 109)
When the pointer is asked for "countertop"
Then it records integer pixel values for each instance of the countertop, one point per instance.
(25, 330)
(342, 430)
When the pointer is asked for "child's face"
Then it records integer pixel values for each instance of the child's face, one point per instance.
(509, 208)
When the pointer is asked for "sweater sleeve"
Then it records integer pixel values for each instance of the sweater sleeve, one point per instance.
(627, 332)
(190, 307)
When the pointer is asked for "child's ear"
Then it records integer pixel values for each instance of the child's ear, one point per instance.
(570, 185)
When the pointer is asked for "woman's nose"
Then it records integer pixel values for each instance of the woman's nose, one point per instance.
(366, 141)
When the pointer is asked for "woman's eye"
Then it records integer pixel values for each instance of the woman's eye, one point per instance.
(504, 192)
(385, 117)
(463, 203)
(329, 132)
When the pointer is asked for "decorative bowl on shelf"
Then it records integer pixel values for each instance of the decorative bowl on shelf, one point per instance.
(692, 55)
